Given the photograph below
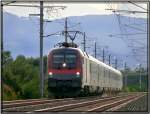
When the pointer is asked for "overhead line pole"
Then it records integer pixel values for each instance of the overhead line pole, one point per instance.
(95, 49)
(1, 85)
(109, 59)
(66, 30)
(41, 50)
(2, 36)
(140, 77)
(103, 55)
(125, 68)
(116, 62)
(148, 51)
(84, 42)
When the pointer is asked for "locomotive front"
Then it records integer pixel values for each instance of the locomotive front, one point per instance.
(64, 71)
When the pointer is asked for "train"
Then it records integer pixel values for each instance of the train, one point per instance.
(72, 72)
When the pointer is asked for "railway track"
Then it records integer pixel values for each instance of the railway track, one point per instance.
(72, 104)
(11, 106)
(19, 101)
(26, 105)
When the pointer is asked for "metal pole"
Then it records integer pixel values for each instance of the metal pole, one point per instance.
(103, 55)
(41, 49)
(148, 53)
(116, 63)
(66, 30)
(109, 59)
(140, 76)
(95, 50)
(125, 68)
(84, 44)
(1, 86)
(2, 36)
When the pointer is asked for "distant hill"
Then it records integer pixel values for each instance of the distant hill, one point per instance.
(21, 34)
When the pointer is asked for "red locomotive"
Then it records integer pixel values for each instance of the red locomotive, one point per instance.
(72, 71)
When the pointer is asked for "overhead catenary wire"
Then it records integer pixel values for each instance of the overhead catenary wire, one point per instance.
(138, 5)
(124, 33)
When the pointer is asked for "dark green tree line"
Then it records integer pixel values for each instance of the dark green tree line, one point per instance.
(20, 77)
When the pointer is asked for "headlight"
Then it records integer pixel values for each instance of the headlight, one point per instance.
(78, 73)
(50, 73)
(64, 65)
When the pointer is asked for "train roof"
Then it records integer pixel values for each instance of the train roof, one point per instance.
(100, 62)
(90, 57)
(69, 48)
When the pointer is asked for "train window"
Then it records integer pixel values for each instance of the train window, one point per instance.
(70, 58)
(58, 58)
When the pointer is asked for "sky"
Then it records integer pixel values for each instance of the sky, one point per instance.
(76, 9)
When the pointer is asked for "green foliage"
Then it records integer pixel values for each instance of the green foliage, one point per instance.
(133, 78)
(31, 89)
(20, 77)
(9, 93)
(135, 88)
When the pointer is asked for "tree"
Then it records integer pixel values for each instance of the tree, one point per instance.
(21, 77)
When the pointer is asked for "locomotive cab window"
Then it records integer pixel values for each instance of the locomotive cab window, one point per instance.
(71, 60)
(68, 58)
(58, 58)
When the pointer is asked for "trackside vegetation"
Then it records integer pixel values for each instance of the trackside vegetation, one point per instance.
(20, 77)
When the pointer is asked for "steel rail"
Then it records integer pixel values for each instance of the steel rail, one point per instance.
(54, 104)
(30, 103)
(26, 104)
(21, 100)
(112, 104)
(123, 104)
(75, 105)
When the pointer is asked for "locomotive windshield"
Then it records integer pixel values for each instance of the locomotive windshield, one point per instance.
(58, 58)
(69, 59)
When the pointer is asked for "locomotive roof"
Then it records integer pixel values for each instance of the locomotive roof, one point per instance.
(90, 57)
(69, 48)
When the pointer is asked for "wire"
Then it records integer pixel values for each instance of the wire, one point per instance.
(137, 5)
